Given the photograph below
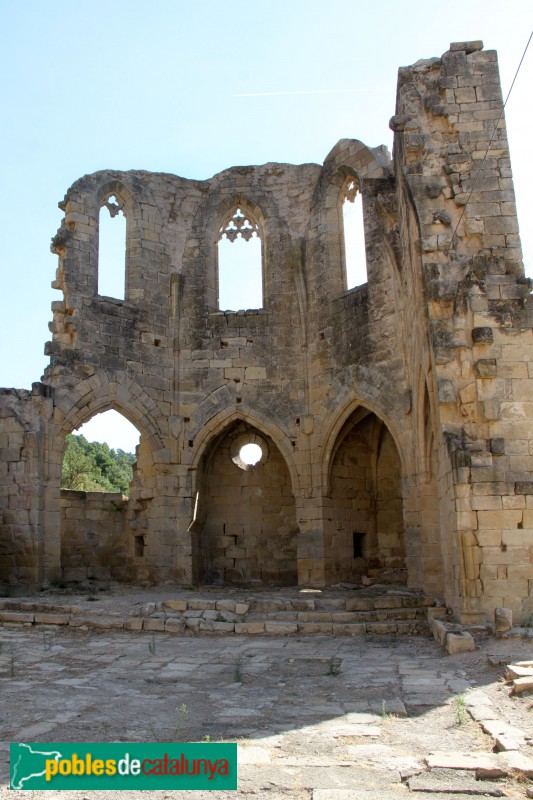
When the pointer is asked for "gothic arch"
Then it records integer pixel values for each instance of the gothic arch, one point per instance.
(221, 421)
(242, 223)
(122, 192)
(244, 525)
(349, 159)
(95, 395)
(368, 162)
(330, 438)
(362, 476)
(339, 187)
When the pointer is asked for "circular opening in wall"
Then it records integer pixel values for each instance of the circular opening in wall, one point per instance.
(248, 451)
(250, 454)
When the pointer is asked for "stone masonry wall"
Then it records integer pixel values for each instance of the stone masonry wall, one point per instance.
(250, 526)
(480, 322)
(94, 536)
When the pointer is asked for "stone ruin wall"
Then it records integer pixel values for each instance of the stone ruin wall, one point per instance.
(479, 320)
(395, 417)
(94, 536)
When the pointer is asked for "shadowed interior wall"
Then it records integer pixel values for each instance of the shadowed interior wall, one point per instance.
(364, 524)
(249, 533)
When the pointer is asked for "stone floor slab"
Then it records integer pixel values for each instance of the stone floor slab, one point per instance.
(301, 730)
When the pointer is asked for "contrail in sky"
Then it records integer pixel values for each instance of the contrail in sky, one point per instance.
(305, 91)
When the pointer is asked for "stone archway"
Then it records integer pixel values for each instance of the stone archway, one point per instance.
(363, 520)
(245, 522)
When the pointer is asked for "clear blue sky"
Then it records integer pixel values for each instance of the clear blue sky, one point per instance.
(159, 86)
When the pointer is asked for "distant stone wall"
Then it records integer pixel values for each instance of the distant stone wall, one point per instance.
(94, 536)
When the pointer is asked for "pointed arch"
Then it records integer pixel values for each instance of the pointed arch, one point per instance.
(97, 394)
(117, 212)
(353, 234)
(350, 161)
(244, 526)
(345, 231)
(341, 412)
(112, 238)
(200, 262)
(363, 478)
(79, 254)
(424, 422)
(221, 421)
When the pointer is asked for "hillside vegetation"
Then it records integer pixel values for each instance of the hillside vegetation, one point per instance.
(95, 467)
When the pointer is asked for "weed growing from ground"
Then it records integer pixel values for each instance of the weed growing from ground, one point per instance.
(182, 713)
(460, 710)
(12, 661)
(237, 672)
(334, 667)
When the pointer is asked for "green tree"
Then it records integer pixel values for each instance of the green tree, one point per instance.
(95, 467)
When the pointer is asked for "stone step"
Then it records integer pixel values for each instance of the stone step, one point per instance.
(341, 616)
(321, 608)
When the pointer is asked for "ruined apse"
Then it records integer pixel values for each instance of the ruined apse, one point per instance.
(391, 414)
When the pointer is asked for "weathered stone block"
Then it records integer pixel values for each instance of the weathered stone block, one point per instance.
(250, 627)
(133, 624)
(503, 620)
(459, 642)
(43, 618)
(175, 605)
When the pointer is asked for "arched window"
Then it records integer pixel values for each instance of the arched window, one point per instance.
(240, 262)
(112, 249)
(354, 234)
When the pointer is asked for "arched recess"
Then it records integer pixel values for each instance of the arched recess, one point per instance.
(431, 568)
(244, 528)
(364, 520)
(348, 402)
